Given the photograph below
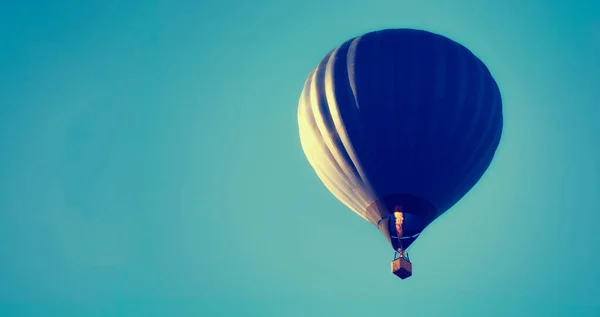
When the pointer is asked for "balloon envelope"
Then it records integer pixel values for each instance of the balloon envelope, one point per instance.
(400, 117)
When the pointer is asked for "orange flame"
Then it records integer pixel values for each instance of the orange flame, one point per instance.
(399, 219)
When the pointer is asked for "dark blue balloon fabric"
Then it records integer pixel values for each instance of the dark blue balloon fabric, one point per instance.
(400, 113)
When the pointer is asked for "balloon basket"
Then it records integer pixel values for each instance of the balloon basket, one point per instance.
(402, 268)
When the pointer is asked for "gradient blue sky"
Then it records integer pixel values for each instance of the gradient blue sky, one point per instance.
(151, 166)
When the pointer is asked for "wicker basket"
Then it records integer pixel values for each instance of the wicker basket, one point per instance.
(401, 268)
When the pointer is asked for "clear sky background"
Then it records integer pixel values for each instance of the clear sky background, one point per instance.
(150, 164)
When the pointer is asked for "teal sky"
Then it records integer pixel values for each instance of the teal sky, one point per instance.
(150, 164)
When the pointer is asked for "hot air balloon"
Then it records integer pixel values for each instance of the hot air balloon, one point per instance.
(399, 125)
